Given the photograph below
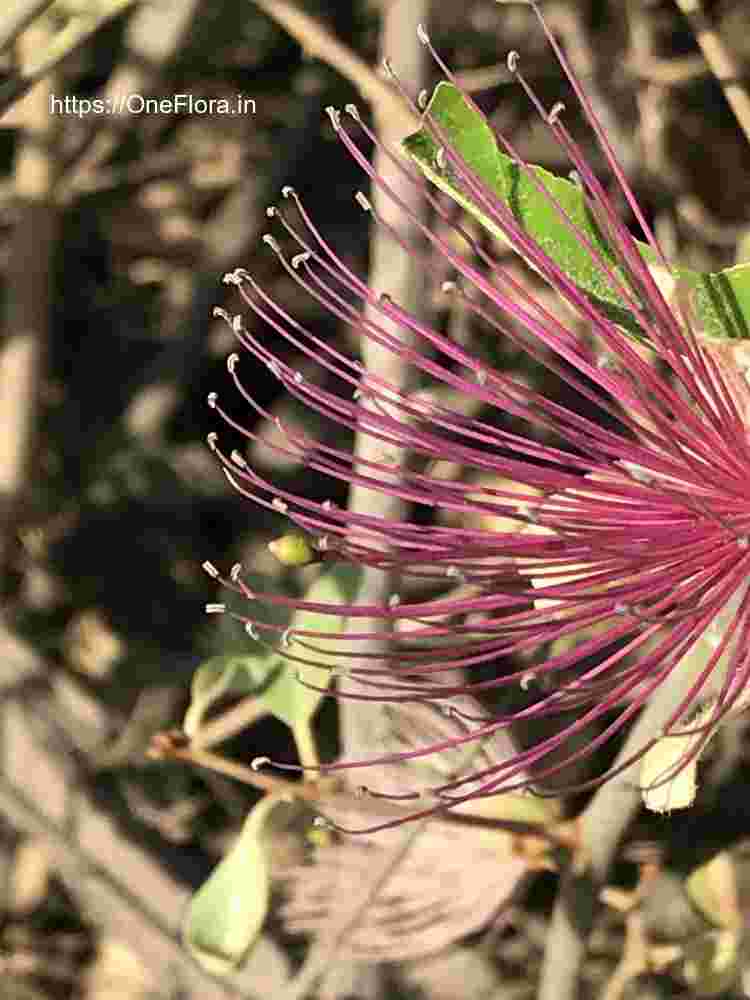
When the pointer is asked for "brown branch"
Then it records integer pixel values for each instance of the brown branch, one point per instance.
(398, 274)
(401, 276)
(602, 826)
(24, 348)
(319, 43)
(160, 750)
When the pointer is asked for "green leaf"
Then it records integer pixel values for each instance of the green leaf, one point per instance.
(226, 914)
(235, 673)
(286, 697)
(271, 676)
(720, 302)
(223, 675)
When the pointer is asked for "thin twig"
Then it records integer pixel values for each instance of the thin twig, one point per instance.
(603, 825)
(720, 60)
(667, 72)
(308, 791)
(319, 43)
(24, 349)
(229, 723)
(634, 960)
(401, 276)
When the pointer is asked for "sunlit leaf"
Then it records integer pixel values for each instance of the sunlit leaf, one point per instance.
(713, 889)
(221, 676)
(277, 675)
(287, 697)
(226, 914)
(719, 303)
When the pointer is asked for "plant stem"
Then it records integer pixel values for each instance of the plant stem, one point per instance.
(719, 59)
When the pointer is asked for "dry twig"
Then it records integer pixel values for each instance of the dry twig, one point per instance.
(318, 43)
(720, 61)
(24, 350)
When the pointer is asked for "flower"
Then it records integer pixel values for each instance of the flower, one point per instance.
(626, 565)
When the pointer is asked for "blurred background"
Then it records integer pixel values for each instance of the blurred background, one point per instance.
(115, 231)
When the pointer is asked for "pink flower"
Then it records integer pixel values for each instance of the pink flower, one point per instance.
(627, 537)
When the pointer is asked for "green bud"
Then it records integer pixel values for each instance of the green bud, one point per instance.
(293, 550)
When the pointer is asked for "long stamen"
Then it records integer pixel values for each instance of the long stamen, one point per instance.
(625, 530)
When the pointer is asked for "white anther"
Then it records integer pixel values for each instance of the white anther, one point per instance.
(423, 98)
(299, 378)
(211, 440)
(440, 158)
(238, 459)
(363, 201)
(273, 243)
(220, 313)
(235, 277)
(271, 211)
(235, 572)
(555, 111)
(353, 111)
(279, 505)
(335, 115)
(394, 600)
(232, 360)
(512, 61)
(328, 505)
(215, 609)
(287, 191)
(300, 258)
(213, 398)
(322, 823)
(422, 34)
(527, 680)
(209, 568)
(252, 631)
(286, 638)
(258, 762)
